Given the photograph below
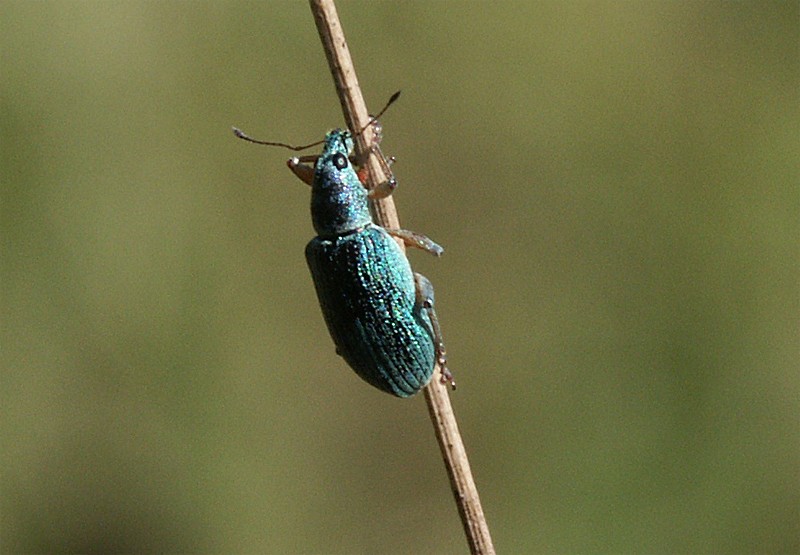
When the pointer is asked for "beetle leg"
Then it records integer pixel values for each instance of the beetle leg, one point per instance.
(385, 188)
(417, 240)
(424, 292)
(301, 170)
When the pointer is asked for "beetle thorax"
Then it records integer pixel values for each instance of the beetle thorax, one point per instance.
(338, 199)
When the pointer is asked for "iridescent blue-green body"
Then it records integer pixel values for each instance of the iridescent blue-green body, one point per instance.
(364, 282)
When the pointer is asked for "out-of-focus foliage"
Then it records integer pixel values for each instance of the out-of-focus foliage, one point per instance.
(616, 185)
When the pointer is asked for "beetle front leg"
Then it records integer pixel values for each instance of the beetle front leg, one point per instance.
(424, 292)
(385, 188)
(412, 239)
(301, 170)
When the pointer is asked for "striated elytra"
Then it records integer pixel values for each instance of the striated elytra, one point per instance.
(379, 312)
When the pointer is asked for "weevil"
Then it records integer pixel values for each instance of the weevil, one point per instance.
(379, 313)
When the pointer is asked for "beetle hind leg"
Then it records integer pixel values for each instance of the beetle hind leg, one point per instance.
(424, 292)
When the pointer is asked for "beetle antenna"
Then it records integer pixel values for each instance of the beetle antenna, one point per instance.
(242, 135)
(374, 119)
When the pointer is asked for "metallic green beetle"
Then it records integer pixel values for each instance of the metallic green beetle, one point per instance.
(379, 313)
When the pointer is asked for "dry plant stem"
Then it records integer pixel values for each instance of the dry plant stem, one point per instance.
(438, 400)
(353, 106)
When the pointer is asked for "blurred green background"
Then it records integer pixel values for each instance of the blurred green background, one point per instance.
(616, 187)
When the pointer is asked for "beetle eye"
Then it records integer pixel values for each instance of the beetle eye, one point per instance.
(339, 160)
